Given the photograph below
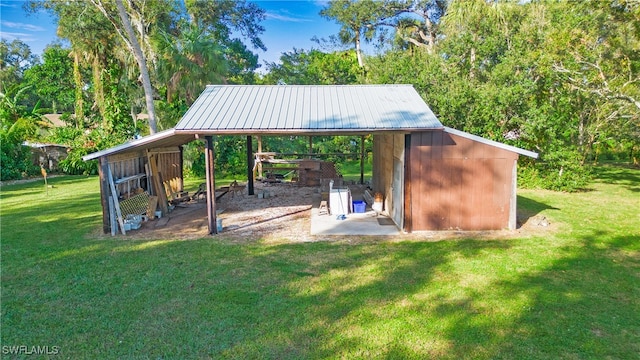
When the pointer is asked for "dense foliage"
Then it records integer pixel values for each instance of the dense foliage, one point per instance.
(558, 78)
(17, 124)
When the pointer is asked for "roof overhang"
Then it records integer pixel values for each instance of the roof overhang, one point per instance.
(500, 145)
(166, 138)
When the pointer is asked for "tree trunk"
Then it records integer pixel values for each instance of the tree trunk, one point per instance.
(77, 78)
(359, 49)
(472, 63)
(144, 71)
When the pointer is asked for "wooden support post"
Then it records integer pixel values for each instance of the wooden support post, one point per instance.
(259, 151)
(114, 197)
(211, 185)
(104, 194)
(112, 216)
(310, 147)
(362, 160)
(181, 170)
(249, 165)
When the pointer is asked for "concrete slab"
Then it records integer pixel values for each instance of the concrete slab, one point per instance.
(354, 224)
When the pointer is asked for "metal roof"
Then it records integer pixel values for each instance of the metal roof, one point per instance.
(500, 145)
(167, 138)
(307, 109)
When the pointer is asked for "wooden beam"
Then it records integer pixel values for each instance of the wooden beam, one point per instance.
(209, 159)
(362, 160)
(310, 146)
(114, 197)
(249, 165)
(181, 178)
(104, 194)
(259, 151)
(158, 186)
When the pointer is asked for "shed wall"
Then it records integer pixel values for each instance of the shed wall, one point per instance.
(388, 173)
(134, 166)
(458, 183)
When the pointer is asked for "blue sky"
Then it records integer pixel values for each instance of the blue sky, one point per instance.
(288, 24)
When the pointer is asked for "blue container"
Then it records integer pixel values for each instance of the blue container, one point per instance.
(359, 206)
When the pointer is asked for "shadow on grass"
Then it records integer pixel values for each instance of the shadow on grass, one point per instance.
(527, 298)
(529, 208)
(619, 174)
(325, 300)
(585, 305)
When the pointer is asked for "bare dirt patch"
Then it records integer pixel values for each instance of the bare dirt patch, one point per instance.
(285, 217)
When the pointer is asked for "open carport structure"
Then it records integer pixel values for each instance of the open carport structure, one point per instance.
(431, 177)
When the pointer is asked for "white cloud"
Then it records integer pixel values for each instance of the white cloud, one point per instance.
(274, 16)
(10, 36)
(22, 26)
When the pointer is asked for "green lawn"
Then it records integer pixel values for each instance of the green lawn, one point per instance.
(572, 294)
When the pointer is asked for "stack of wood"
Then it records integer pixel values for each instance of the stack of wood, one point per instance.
(311, 171)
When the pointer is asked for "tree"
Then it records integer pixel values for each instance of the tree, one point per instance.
(597, 60)
(15, 57)
(401, 23)
(220, 20)
(122, 25)
(358, 20)
(189, 62)
(17, 124)
(53, 78)
(153, 25)
(315, 68)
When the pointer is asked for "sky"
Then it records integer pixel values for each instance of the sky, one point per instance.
(289, 24)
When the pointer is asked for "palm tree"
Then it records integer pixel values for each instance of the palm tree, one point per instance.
(189, 62)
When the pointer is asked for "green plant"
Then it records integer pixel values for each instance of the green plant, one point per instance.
(566, 291)
(17, 124)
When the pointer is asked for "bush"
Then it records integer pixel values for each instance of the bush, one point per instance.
(568, 177)
(15, 161)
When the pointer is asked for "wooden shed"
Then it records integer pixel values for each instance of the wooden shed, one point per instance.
(47, 155)
(432, 177)
(447, 179)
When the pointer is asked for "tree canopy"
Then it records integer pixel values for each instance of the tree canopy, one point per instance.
(559, 78)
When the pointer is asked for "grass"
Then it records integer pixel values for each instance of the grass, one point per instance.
(573, 293)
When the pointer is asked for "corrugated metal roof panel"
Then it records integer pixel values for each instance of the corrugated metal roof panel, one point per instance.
(500, 145)
(307, 108)
(166, 138)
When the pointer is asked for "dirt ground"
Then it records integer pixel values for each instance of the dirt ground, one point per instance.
(285, 217)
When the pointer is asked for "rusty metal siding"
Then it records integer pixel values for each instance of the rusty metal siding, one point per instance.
(458, 183)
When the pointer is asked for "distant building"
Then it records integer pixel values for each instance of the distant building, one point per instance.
(47, 155)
